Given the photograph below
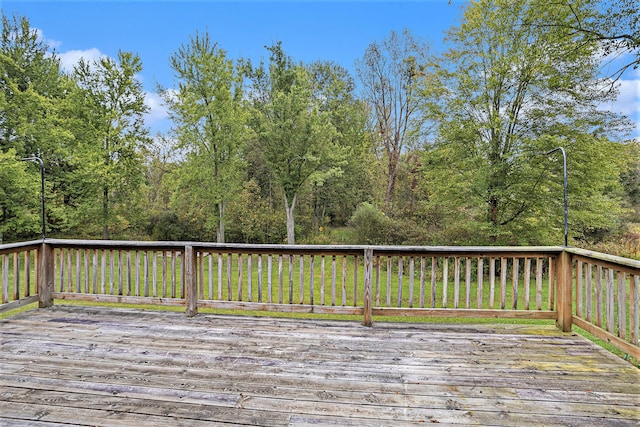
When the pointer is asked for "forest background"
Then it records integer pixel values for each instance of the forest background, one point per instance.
(410, 147)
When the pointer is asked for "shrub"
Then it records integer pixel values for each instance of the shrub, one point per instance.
(371, 226)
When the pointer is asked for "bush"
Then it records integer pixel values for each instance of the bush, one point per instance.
(371, 226)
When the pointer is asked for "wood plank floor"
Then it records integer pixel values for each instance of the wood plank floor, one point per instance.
(94, 366)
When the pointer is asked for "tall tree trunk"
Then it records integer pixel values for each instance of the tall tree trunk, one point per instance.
(392, 167)
(291, 238)
(220, 233)
(105, 213)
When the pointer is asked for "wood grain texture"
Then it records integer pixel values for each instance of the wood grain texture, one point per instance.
(116, 367)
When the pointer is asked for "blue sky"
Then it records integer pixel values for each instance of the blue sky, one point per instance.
(309, 30)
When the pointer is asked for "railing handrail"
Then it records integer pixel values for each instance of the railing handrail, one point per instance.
(612, 259)
(11, 247)
(309, 249)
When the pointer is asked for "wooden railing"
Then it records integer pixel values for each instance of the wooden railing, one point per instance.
(606, 298)
(596, 292)
(19, 274)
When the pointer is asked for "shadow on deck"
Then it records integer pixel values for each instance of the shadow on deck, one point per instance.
(96, 366)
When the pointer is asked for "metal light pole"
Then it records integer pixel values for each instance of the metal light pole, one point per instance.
(41, 163)
(566, 203)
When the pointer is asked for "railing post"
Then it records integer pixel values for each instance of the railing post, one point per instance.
(563, 291)
(46, 273)
(368, 279)
(191, 281)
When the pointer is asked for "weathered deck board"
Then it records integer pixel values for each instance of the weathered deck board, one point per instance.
(103, 366)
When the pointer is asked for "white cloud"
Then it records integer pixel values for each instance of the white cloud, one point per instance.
(70, 58)
(158, 117)
(52, 44)
(628, 100)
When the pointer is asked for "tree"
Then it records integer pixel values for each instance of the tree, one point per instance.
(296, 138)
(33, 121)
(388, 71)
(113, 111)
(611, 24)
(19, 199)
(509, 91)
(336, 197)
(208, 112)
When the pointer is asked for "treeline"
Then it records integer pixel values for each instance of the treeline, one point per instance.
(413, 148)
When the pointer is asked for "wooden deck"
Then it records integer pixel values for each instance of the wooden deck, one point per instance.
(95, 366)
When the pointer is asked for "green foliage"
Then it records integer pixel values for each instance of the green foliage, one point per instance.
(19, 199)
(372, 226)
(252, 220)
(509, 95)
(116, 135)
(297, 139)
(210, 125)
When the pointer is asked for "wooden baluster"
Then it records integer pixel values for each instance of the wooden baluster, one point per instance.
(333, 280)
(479, 295)
(174, 273)
(27, 274)
(514, 282)
(467, 284)
(239, 277)
(355, 280)
(86, 271)
(280, 279)
(94, 274)
(249, 278)
(634, 309)
(445, 281)
(137, 293)
(322, 280)
(16, 276)
(146, 273)
(389, 261)
(69, 271)
(5, 279)
(598, 286)
(503, 283)
(622, 305)
(378, 274)
(411, 280)
(164, 274)
(400, 274)
(103, 271)
(527, 283)
(301, 279)
(209, 256)
(229, 284)
(579, 286)
(589, 294)
(156, 290)
(78, 277)
(610, 302)
(456, 283)
(344, 281)
(434, 280)
(259, 277)
(62, 270)
(422, 280)
(120, 273)
(311, 280)
(270, 278)
(219, 276)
